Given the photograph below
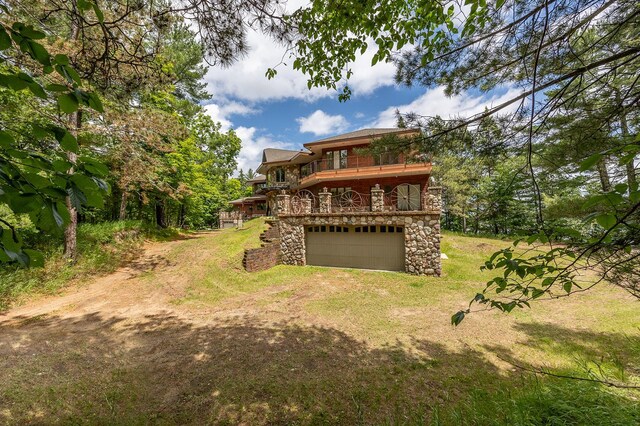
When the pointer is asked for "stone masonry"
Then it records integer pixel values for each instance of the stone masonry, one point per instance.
(421, 228)
(421, 233)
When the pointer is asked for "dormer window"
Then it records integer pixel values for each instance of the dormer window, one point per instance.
(280, 175)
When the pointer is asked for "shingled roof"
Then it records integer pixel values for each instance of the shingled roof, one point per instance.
(273, 155)
(363, 133)
(258, 178)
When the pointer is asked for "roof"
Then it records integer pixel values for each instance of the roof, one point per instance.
(249, 199)
(363, 133)
(274, 155)
(257, 179)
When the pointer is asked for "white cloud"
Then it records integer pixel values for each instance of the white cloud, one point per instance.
(434, 102)
(320, 123)
(222, 112)
(252, 146)
(246, 80)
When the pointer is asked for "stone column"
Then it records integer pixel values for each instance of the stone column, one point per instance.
(282, 202)
(377, 199)
(292, 244)
(325, 201)
(433, 199)
(422, 245)
(306, 205)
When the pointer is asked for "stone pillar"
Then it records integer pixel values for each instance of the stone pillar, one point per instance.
(282, 203)
(306, 205)
(292, 245)
(433, 199)
(377, 199)
(325, 201)
(422, 245)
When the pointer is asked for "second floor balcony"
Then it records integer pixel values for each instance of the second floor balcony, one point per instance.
(358, 167)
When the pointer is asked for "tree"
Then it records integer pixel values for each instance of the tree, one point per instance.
(34, 182)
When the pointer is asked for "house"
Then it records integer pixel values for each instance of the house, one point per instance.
(338, 205)
(247, 207)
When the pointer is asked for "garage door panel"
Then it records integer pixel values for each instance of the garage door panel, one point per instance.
(365, 250)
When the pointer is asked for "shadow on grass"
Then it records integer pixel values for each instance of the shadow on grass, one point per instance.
(162, 369)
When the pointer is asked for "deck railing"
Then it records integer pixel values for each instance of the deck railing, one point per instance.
(404, 197)
(350, 162)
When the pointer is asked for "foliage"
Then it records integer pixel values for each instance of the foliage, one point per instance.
(36, 182)
(335, 32)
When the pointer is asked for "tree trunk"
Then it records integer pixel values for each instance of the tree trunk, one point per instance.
(181, 215)
(464, 221)
(123, 206)
(605, 182)
(161, 219)
(71, 231)
(75, 120)
(630, 166)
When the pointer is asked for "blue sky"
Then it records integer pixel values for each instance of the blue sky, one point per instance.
(283, 113)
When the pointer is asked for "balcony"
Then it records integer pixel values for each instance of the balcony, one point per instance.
(358, 167)
(404, 198)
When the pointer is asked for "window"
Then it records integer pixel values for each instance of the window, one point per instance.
(337, 159)
(340, 191)
(280, 175)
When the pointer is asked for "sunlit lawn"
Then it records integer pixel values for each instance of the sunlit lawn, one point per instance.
(311, 345)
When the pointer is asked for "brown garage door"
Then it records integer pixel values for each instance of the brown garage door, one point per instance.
(363, 247)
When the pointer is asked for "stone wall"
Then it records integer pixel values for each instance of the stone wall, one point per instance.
(268, 254)
(422, 245)
(291, 175)
(421, 233)
(292, 243)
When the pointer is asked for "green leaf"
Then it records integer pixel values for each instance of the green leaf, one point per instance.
(30, 32)
(621, 188)
(5, 39)
(37, 90)
(36, 259)
(606, 220)
(68, 103)
(590, 162)
(36, 180)
(66, 139)
(98, 13)
(61, 166)
(94, 166)
(61, 59)
(94, 102)
(6, 140)
(457, 318)
(54, 87)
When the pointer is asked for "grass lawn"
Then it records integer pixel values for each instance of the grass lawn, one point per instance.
(312, 345)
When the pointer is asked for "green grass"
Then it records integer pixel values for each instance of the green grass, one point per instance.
(313, 345)
(101, 249)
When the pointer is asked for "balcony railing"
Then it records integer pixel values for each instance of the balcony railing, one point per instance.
(350, 162)
(401, 198)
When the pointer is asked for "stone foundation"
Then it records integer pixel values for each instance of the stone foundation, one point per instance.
(421, 233)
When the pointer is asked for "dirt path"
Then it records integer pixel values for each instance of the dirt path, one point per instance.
(125, 292)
